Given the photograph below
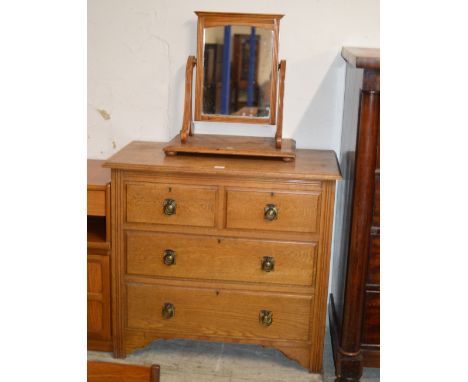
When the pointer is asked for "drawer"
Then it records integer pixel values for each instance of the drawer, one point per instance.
(290, 211)
(98, 312)
(194, 205)
(198, 257)
(373, 269)
(96, 202)
(376, 213)
(210, 312)
(371, 321)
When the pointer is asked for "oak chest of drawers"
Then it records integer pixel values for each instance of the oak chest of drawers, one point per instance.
(222, 249)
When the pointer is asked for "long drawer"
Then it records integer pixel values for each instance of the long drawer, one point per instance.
(171, 204)
(212, 312)
(289, 211)
(198, 257)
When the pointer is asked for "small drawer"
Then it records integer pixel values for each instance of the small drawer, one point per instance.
(171, 204)
(273, 210)
(218, 312)
(97, 202)
(189, 256)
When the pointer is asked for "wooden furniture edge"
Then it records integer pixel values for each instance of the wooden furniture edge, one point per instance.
(363, 58)
(279, 119)
(100, 345)
(230, 14)
(117, 165)
(188, 118)
(351, 363)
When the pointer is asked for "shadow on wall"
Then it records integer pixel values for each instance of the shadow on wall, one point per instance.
(320, 126)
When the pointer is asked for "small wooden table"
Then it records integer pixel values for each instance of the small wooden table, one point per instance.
(99, 245)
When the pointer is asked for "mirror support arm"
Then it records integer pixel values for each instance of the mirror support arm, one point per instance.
(187, 122)
(279, 118)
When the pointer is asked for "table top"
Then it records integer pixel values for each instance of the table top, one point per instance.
(98, 175)
(149, 156)
(364, 58)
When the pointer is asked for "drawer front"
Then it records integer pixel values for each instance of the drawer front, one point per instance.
(189, 256)
(371, 322)
(210, 312)
(97, 202)
(373, 270)
(292, 211)
(99, 323)
(194, 205)
(376, 214)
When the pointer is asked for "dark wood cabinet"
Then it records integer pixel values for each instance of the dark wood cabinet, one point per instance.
(354, 306)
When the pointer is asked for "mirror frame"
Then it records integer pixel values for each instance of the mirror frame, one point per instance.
(217, 19)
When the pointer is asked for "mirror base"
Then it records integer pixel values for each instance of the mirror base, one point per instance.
(233, 146)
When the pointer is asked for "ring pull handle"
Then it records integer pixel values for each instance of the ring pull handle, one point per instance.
(169, 257)
(268, 264)
(265, 317)
(168, 311)
(270, 212)
(169, 206)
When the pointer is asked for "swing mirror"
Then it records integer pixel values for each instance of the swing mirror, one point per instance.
(237, 67)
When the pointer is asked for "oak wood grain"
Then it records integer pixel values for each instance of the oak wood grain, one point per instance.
(99, 310)
(187, 120)
(117, 372)
(297, 211)
(149, 156)
(96, 174)
(98, 259)
(195, 206)
(234, 259)
(213, 312)
(217, 295)
(232, 145)
(279, 121)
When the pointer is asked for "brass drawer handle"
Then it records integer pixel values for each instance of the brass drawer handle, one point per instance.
(169, 257)
(268, 264)
(168, 311)
(169, 206)
(265, 317)
(270, 212)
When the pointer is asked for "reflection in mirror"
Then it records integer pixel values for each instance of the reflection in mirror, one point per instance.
(237, 71)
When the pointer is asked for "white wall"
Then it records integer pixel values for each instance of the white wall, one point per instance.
(137, 51)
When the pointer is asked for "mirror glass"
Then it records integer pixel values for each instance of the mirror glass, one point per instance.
(237, 71)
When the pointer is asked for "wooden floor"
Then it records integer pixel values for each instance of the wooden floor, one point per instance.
(192, 361)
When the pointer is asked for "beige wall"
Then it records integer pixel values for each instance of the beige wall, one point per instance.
(137, 51)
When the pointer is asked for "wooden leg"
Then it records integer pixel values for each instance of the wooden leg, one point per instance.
(348, 369)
